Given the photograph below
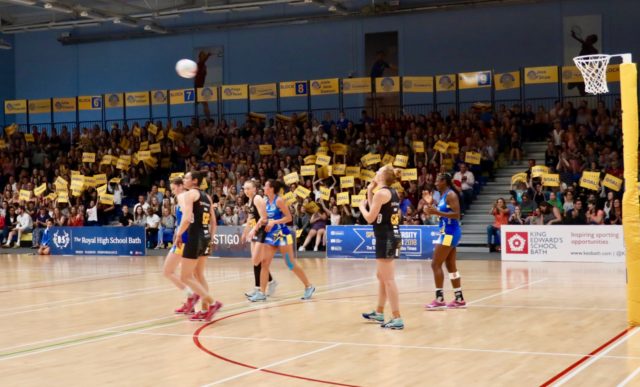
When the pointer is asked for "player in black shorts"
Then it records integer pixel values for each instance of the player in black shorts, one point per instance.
(255, 234)
(198, 221)
(384, 213)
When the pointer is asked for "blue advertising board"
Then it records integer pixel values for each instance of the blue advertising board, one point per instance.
(358, 241)
(98, 241)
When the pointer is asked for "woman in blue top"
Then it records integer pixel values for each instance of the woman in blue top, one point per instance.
(278, 236)
(448, 209)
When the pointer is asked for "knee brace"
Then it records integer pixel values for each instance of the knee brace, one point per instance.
(288, 261)
(453, 276)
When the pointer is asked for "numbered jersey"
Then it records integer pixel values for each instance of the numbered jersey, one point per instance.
(387, 224)
(252, 213)
(199, 227)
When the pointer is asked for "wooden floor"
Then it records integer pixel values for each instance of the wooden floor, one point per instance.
(83, 321)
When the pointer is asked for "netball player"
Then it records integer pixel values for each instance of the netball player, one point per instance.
(197, 221)
(384, 213)
(448, 209)
(255, 234)
(175, 255)
(278, 236)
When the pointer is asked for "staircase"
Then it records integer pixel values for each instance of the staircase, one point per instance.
(477, 218)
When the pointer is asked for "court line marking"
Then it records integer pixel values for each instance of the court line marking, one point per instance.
(597, 354)
(62, 281)
(252, 307)
(506, 291)
(272, 365)
(629, 378)
(398, 346)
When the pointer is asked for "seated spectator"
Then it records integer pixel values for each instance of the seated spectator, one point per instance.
(139, 218)
(535, 218)
(141, 203)
(167, 225)
(550, 214)
(500, 213)
(615, 215)
(594, 214)
(318, 227)
(538, 195)
(555, 201)
(568, 203)
(527, 206)
(92, 214)
(608, 205)
(516, 217)
(23, 225)
(229, 218)
(152, 227)
(76, 219)
(40, 225)
(576, 215)
(59, 220)
(126, 219)
(466, 181)
(10, 220)
(45, 243)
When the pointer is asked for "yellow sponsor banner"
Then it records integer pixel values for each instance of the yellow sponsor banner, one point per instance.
(158, 97)
(339, 169)
(507, 81)
(25, 195)
(551, 180)
(265, 149)
(612, 182)
(409, 174)
(40, 106)
(207, 94)
(590, 180)
(539, 75)
(233, 92)
(418, 146)
(571, 74)
(356, 85)
(302, 192)
(28, 137)
(357, 199)
(453, 148)
(16, 106)
(263, 91)
(88, 157)
(40, 190)
(90, 102)
(138, 98)
(155, 148)
(311, 159)
(613, 73)
(100, 179)
(182, 96)
(370, 159)
(323, 160)
(308, 170)
(114, 100)
(367, 175)
(388, 85)
(417, 84)
(539, 170)
(291, 178)
(342, 198)
(441, 146)
(325, 193)
(401, 161)
(293, 89)
(474, 80)
(519, 177)
(347, 182)
(472, 158)
(446, 82)
(325, 86)
(352, 171)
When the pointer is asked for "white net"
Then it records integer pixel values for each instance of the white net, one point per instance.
(594, 72)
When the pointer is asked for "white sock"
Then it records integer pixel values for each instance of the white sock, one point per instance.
(457, 289)
(188, 291)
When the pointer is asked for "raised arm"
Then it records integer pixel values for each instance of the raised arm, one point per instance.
(379, 198)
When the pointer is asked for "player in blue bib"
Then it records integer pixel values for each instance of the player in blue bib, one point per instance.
(448, 209)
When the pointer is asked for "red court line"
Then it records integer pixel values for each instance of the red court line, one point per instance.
(196, 340)
(585, 358)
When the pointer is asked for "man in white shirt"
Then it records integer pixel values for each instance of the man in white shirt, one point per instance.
(152, 227)
(466, 179)
(141, 202)
(24, 224)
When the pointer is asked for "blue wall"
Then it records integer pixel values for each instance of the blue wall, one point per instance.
(7, 70)
(501, 38)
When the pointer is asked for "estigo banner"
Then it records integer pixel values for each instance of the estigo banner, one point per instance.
(563, 243)
(228, 242)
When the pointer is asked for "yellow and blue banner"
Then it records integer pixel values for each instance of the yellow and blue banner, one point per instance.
(356, 86)
(182, 96)
(325, 86)
(507, 81)
(540, 75)
(571, 74)
(207, 94)
(446, 82)
(159, 97)
(40, 106)
(417, 84)
(114, 100)
(90, 102)
(388, 85)
(64, 105)
(293, 89)
(263, 91)
(234, 92)
(16, 106)
(138, 98)
(474, 80)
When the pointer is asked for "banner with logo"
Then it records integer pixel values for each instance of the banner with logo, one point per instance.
(158, 97)
(90, 102)
(356, 85)
(98, 241)
(16, 106)
(234, 92)
(40, 106)
(207, 94)
(571, 74)
(293, 89)
(324, 86)
(114, 100)
(563, 243)
(263, 91)
(446, 82)
(417, 84)
(540, 75)
(359, 242)
(138, 98)
(507, 81)
(474, 80)
(388, 85)
(182, 96)
(64, 105)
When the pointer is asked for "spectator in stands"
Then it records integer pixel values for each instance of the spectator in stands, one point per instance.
(615, 215)
(576, 215)
(465, 180)
(40, 224)
(500, 213)
(45, 244)
(139, 218)
(59, 220)
(141, 203)
(76, 218)
(527, 206)
(405, 203)
(594, 214)
(550, 214)
(555, 201)
(167, 226)
(318, 227)
(516, 217)
(538, 194)
(229, 218)
(126, 219)
(152, 228)
(92, 214)
(10, 220)
(516, 149)
(23, 225)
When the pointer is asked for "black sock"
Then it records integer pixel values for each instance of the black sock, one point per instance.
(256, 274)
(270, 277)
(439, 295)
(458, 294)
